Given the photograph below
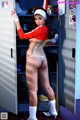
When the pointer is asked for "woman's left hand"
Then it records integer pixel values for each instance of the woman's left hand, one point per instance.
(34, 40)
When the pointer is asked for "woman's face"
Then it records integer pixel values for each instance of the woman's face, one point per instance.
(39, 20)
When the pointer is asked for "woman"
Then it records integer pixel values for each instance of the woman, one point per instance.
(36, 61)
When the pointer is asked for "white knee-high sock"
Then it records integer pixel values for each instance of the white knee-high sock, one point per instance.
(32, 111)
(52, 109)
(52, 103)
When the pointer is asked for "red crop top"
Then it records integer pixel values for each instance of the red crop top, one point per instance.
(40, 33)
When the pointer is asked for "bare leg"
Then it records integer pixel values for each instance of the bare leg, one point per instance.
(44, 78)
(32, 78)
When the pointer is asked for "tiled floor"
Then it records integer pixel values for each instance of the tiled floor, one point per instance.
(24, 116)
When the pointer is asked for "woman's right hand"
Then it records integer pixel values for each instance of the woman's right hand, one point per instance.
(16, 19)
(13, 12)
(14, 15)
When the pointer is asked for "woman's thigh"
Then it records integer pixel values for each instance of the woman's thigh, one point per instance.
(32, 66)
(43, 73)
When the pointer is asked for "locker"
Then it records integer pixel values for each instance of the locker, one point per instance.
(68, 59)
(8, 63)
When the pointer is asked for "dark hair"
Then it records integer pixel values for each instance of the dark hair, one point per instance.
(47, 23)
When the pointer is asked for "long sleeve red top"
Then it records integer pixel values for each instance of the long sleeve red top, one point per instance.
(40, 33)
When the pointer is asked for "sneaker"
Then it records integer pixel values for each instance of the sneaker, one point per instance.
(42, 98)
(51, 113)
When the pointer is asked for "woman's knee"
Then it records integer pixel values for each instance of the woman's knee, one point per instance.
(47, 88)
(33, 91)
(33, 95)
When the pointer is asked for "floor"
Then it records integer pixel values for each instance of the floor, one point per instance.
(24, 116)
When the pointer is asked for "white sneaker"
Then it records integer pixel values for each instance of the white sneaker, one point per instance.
(51, 113)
